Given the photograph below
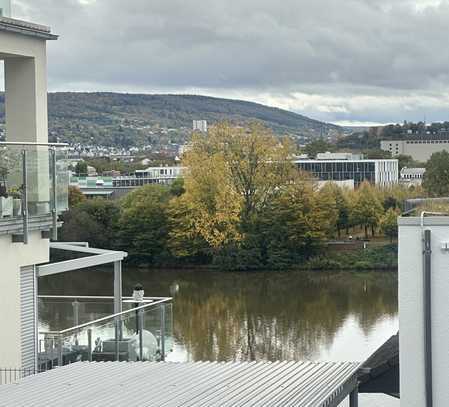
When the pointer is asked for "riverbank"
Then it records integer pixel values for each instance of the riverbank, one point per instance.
(359, 259)
(378, 257)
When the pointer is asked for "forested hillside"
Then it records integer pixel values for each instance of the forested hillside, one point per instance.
(131, 119)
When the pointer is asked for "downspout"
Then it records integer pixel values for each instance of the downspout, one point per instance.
(427, 308)
(427, 299)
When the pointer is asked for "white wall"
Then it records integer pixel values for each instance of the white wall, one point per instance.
(12, 257)
(411, 321)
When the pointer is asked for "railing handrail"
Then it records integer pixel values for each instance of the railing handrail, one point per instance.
(96, 297)
(26, 143)
(119, 314)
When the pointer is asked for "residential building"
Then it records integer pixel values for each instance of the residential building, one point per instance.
(383, 173)
(34, 180)
(412, 176)
(200, 125)
(419, 147)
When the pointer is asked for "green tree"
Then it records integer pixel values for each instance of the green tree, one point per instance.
(92, 221)
(389, 224)
(294, 224)
(367, 208)
(81, 168)
(436, 177)
(143, 223)
(318, 146)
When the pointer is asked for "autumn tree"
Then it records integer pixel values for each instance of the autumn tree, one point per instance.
(75, 196)
(389, 224)
(341, 204)
(367, 208)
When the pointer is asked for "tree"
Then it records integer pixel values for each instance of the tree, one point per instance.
(81, 168)
(367, 208)
(342, 206)
(436, 177)
(143, 223)
(406, 161)
(75, 196)
(92, 221)
(177, 187)
(232, 174)
(389, 224)
(318, 146)
(294, 224)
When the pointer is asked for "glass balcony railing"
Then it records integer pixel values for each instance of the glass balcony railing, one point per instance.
(139, 333)
(34, 181)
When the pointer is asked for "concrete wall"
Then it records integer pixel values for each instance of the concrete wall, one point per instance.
(14, 256)
(411, 320)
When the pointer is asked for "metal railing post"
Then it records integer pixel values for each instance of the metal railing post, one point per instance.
(162, 332)
(89, 344)
(117, 335)
(25, 196)
(118, 294)
(140, 324)
(54, 212)
(60, 352)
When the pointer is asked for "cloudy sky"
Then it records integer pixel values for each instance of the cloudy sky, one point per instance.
(369, 61)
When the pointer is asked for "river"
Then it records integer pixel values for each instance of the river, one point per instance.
(314, 316)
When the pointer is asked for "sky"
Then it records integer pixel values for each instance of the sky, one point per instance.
(342, 61)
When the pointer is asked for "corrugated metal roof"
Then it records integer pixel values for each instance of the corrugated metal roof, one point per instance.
(197, 384)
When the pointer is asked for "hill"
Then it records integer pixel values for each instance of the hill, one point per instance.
(133, 119)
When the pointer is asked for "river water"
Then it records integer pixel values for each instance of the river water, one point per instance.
(313, 316)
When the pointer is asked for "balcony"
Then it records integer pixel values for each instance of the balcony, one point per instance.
(142, 332)
(34, 183)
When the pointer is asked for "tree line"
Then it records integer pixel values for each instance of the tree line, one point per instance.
(242, 205)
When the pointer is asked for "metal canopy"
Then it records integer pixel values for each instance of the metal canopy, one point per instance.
(302, 384)
(98, 257)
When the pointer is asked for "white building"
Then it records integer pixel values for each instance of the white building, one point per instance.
(383, 173)
(33, 192)
(200, 125)
(412, 176)
(419, 148)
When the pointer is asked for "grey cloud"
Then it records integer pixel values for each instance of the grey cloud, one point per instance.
(338, 48)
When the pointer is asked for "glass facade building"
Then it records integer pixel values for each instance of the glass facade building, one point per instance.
(378, 172)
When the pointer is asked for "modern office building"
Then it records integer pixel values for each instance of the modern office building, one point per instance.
(383, 173)
(419, 147)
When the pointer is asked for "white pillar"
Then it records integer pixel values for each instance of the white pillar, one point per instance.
(26, 98)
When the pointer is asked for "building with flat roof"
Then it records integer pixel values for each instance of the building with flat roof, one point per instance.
(419, 147)
(383, 173)
(200, 125)
(412, 176)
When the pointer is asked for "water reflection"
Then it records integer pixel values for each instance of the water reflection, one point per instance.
(270, 316)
